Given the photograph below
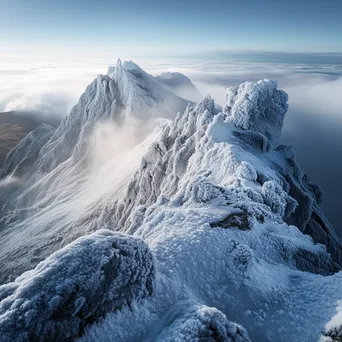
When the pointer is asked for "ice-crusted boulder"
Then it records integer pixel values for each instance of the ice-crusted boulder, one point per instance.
(259, 107)
(76, 286)
(202, 323)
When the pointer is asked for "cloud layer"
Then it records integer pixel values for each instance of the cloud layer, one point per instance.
(50, 88)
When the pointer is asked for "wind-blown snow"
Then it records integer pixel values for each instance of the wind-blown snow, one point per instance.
(224, 210)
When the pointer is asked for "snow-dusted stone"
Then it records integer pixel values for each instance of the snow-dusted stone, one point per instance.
(75, 286)
(333, 329)
(202, 323)
(258, 107)
(319, 263)
(240, 220)
(247, 171)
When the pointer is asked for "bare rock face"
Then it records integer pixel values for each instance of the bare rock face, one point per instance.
(76, 286)
(203, 323)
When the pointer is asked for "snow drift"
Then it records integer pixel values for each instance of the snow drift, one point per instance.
(233, 223)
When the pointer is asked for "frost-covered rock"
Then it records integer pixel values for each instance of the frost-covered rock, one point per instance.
(247, 171)
(259, 107)
(202, 323)
(76, 286)
(333, 329)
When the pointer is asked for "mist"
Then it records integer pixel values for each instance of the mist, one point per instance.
(45, 88)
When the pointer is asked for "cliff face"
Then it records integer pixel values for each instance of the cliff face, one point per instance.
(232, 222)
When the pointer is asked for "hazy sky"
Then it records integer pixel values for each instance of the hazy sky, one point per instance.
(161, 27)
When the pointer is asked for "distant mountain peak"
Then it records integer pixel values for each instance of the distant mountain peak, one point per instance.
(180, 85)
(126, 65)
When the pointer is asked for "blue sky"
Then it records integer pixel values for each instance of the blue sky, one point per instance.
(165, 27)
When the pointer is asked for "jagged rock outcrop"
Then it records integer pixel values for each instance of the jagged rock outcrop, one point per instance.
(76, 286)
(258, 107)
(259, 110)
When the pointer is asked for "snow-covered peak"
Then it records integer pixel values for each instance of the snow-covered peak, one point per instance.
(127, 65)
(141, 94)
(233, 225)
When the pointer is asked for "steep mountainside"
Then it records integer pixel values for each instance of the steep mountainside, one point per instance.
(226, 226)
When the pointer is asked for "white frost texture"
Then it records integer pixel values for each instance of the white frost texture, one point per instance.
(135, 223)
(76, 285)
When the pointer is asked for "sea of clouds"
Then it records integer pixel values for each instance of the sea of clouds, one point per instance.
(313, 124)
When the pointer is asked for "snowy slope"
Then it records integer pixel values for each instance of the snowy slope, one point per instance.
(71, 173)
(222, 207)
